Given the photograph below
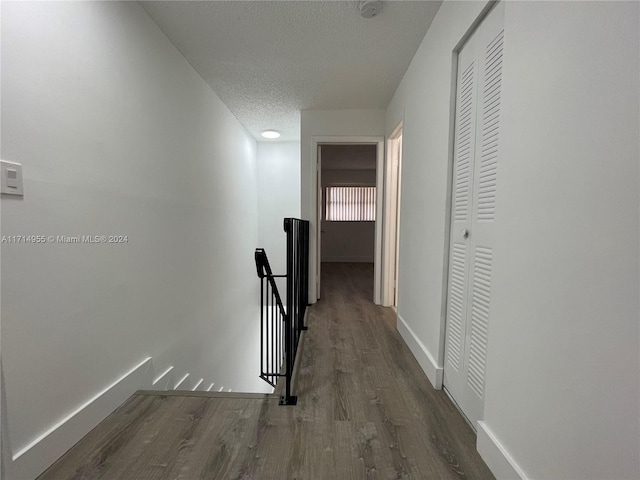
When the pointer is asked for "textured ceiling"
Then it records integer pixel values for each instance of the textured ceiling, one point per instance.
(267, 60)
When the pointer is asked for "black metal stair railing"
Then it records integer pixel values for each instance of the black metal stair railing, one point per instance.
(272, 321)
(280, 327)
(297, 268)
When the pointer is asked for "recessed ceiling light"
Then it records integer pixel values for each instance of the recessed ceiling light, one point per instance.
(270, 134)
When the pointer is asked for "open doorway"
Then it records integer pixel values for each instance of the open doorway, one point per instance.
(348, 198)
(349, 206)
(393, 169)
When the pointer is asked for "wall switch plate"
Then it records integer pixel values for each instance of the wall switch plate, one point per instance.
(10, 178)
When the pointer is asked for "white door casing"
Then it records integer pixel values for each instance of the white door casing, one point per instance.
(398, 197)
(476, 154)
(319, 206)
(392, 217)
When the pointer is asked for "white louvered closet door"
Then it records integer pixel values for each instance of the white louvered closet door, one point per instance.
(476, 155)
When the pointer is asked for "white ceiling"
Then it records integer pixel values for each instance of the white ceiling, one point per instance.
(267, 60)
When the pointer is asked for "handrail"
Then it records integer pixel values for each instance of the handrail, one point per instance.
(272, 315)
(280, 327)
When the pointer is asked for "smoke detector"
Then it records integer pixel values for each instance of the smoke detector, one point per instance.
(370, 8)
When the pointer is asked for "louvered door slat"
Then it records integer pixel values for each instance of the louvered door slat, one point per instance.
(480, 301)
(457, 301)
(490, 125)
(464, 143)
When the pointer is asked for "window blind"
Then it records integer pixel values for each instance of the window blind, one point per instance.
(350, 204)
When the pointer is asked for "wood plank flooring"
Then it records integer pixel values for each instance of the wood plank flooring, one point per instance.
(365, 411)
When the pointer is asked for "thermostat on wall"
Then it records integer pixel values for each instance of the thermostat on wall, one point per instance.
(11, 178)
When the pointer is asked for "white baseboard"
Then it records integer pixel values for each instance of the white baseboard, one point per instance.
(499, 461)
(347, 259)
(29, 461)
(427, 363)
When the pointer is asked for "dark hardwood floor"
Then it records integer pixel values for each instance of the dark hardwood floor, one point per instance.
(365, 411)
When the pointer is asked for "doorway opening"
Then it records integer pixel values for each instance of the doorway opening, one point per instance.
(349, 205)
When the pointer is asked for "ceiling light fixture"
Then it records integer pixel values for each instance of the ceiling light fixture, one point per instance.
(370, 8)
(270, 134)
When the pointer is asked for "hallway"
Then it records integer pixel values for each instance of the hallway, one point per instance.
(365, 410)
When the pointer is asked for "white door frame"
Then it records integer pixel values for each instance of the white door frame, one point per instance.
(319, 197)
(314, 284)
(391, 224)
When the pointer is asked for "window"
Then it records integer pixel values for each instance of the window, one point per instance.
(350, 204)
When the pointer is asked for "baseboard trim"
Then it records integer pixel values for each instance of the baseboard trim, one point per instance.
(200, 393)
(32, 459)
(499, 461)
(425, 360)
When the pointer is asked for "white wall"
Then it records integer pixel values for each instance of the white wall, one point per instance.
(327, 123)
(118, 136)
(278, 197)
(564, 359)
(423, 103)
(347, 241)
(562, 391)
